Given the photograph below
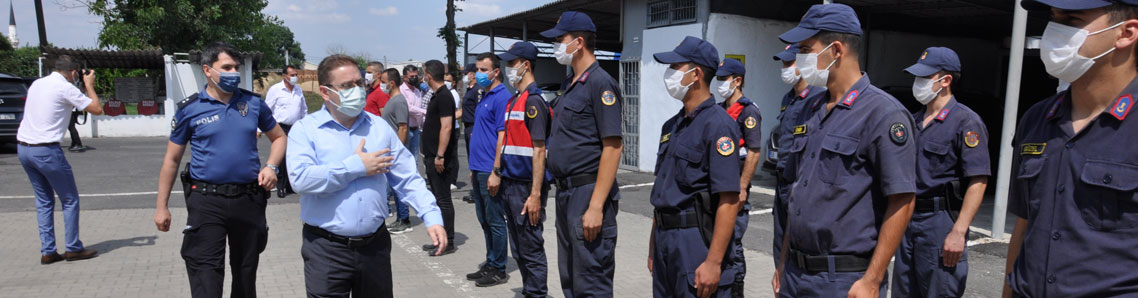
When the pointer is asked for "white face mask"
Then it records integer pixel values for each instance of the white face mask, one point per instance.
(561, 55)
(384, 87)
(466, 80)
(807, 64)
(513, 76)
(293, 80)
(672, 82)
(447, 83)
(351, 100)
(725, 90)
(368, 77)
(789, 76)
(922, 92)
(1060, 47)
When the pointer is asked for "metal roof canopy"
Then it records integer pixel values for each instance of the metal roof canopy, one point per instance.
(984, 19)
(526, 25)
(123, 59)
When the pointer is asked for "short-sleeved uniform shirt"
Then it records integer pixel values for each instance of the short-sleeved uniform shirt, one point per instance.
(441, 105)
(470, 102)
(588, 111)
(489, 120)
(748, 122)
(854, 157)
(536, 116)
(222, 136)
(697, 155)
(954, 145)
(1078, 192)
(790, 116)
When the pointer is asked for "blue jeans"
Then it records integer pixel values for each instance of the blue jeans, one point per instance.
(413, 139)
(401, 212)
(50, 174)
(492, 218)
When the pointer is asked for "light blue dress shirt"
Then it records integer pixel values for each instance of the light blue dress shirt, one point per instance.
(336, 193)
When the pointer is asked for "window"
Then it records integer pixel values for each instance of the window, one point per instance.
(630, 115)
(671, 12)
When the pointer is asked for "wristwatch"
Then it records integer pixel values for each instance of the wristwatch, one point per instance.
(437, 157)
(275, 169)
(497, 171)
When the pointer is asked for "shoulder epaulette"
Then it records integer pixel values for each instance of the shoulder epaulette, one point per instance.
(187, 100)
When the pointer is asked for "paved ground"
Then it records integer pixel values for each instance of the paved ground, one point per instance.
(118, 181)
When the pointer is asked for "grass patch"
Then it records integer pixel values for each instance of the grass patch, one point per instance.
(314, 102)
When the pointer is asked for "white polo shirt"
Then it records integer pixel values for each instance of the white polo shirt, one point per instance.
(48, 109)
(288, 106)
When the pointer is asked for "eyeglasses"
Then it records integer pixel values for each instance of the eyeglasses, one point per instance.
(349, 85)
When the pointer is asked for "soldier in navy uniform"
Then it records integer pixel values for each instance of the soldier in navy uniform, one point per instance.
(729, 84)
(1073, 189)
(696, 196)
(854, 194)
(226, 187)
(584, 152)
(521, 168)
(790, 117)
(952, 148)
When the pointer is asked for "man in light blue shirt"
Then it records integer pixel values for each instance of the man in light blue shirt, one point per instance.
(342, 162)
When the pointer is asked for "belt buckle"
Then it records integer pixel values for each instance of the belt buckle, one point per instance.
(349, 240)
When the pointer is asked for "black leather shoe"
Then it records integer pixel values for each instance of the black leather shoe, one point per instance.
(281, 192)
(449, 250)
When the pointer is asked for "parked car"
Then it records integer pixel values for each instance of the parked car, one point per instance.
(13, 94)
(771, 151)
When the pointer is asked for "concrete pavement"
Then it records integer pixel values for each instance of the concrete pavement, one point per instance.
(117, 183)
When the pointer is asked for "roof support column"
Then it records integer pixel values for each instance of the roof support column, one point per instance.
(1008, 125)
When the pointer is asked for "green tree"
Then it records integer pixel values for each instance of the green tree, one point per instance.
(21, 62)
(184, 25)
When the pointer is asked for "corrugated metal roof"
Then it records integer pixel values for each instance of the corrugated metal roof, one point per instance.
(606, 15)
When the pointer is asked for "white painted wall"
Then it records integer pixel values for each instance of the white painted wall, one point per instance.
(656, 105)
(758, 40)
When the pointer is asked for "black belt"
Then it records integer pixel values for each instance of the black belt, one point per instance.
(38, 145)
(930, 204)
(227, 190)
(842, 263)
(577, 180)
(351, 242)
(526, 181)
(675, 219)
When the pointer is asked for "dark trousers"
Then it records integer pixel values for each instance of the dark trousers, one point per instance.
(736, 259)
(441, 187)
(526, 241)
(333, 269)
(797, 282)
(918, 269)
(211, 220)
(585, 268)
(469, 128)
(676, 255)
(283, 175)
(75, 141)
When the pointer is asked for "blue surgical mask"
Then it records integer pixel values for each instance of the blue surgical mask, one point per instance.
(483, 79)
(423, 86)
(228, 81)
(352, 100)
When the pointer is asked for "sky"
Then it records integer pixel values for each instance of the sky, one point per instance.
(398, 30)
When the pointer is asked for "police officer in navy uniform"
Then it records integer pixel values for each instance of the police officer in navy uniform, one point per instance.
(1073, 189)
(790, 116)
(729, 85)
(584, 151)
(521, 172)
(227, 187)
(952, 148)
(696, 193)
(853, 198)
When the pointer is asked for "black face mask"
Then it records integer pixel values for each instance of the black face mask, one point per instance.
(413, 81)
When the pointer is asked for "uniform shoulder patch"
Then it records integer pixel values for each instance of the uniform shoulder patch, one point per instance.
(898, 133)
(531, 112)
(1032, 148)
(749, 122)
(972, 139)
(173, 124)
(664, 138)
(608, 98)
(1122, 107)
(725, 146)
